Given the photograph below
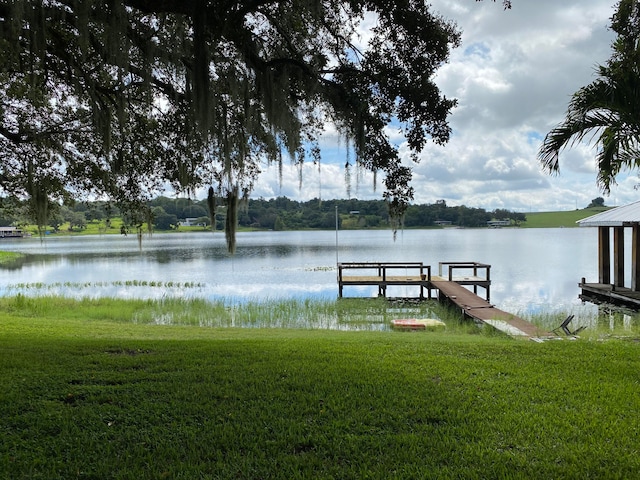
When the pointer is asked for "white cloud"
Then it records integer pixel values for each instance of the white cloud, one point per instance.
(324, 181)
(513, 77)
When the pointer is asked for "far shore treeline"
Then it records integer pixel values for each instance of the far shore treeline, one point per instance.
(166, 214)
(275, 214)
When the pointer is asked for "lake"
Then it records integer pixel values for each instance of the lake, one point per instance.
(532, 270)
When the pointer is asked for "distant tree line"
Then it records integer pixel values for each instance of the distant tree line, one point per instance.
(280, 213)
(285, 214)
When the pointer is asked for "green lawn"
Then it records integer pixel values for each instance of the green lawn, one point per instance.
(91, 394)
(559, 219)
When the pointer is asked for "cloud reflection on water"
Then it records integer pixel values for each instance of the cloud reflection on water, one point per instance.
(532, 269)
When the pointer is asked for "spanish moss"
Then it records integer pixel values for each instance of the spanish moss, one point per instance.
(122, 96)
(231, 220)
(211, 205)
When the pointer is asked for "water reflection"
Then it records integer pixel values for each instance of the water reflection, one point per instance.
(533, 270)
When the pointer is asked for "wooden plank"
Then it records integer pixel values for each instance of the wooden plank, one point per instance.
(611, 294)
(460, 295)
(479, 309)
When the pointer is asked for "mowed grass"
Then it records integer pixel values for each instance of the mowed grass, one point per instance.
(91, 394)
(559, 219)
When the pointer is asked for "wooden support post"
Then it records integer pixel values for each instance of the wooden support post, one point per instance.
(475, 274)
(488, 289)
(635, 258)
(618, 256)
(604, 255)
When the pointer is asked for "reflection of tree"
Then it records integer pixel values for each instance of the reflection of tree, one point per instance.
(15, 264)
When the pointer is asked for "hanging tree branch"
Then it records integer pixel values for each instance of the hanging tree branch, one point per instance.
(166, 80)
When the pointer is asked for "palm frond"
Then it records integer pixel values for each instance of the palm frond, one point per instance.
(605, 113)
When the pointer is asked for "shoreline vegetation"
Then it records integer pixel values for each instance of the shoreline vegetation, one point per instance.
(347, 221)
(91, 392)
(8, 257)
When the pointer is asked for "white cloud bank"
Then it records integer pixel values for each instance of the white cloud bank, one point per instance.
(513, 77)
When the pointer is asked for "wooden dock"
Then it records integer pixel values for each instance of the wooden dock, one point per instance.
(609, 293)
(450, 288)
(384, 275)
(479, 309)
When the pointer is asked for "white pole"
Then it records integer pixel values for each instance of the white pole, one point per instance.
(336, 236)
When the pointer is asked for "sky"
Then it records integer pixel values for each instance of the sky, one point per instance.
(513, 76)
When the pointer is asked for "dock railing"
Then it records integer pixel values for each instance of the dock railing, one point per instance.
(384, 274)
(477, 274)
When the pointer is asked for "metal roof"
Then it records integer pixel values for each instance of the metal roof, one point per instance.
(616, 217)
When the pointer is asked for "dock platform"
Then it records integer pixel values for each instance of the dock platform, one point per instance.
(384, 275)
(609, 293)
(450, 288)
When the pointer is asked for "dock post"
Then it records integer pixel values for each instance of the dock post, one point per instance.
(488, 282)
(635, 258)
(475, 274)
(618, 256)
(604, 255)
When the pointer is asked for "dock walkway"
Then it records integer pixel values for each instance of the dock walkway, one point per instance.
(450, 288)
(479, 309)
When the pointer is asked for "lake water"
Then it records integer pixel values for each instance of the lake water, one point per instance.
(532, 270)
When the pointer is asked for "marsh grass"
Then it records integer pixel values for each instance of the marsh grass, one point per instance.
(604, 321)
(297, 313)
(87, 393)
(9, 257)
(323, 314)
(89, 285)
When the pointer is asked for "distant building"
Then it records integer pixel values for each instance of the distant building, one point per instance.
(191, 222)
(13, 232)
(443, 223)
(498, 223)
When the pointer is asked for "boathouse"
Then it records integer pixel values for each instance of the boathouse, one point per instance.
(612, 227)
(12, 232)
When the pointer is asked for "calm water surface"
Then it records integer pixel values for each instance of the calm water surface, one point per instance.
(532, 269)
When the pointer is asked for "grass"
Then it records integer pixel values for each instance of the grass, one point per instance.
(345, 314)
(8, 257)
(559, 219)
(90, 391)
(99, 227)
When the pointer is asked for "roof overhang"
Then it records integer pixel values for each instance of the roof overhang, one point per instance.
(625, 216)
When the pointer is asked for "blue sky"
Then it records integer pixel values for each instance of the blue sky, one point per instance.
(513, 77)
